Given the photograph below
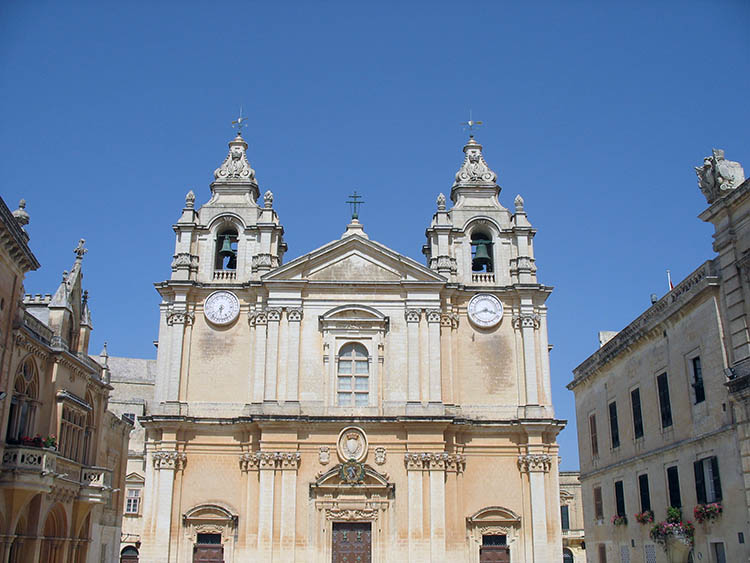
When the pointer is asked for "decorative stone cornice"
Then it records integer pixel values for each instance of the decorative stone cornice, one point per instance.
(250, 461)
(413, 315)
(704, 276)
(164, 459)
(370, 514)
(179, 317)
(526, 320)
(442, 461)
(534, 462)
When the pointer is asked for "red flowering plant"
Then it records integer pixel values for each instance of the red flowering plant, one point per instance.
(707, 512)
(673, 526)
(50, 442)
(645, 517)
(619, 520)
(35, 442)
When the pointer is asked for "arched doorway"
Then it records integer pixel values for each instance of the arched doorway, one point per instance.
(568, 556)
(129, 554)
(54, 534)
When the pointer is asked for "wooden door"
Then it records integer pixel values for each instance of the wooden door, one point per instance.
(208, 553)
(352, 542)
(494, 554)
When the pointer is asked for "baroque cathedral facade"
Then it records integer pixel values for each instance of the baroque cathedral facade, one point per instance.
(350, 404)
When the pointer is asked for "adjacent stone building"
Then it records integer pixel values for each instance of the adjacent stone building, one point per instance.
(350, 404)
(662, 409)
(571, 517)
(63, 453)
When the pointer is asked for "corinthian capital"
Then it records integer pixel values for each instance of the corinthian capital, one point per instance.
(164, 459)
(534, 462)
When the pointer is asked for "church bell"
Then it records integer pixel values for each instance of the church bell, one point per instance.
(226, 251)
(481, 256)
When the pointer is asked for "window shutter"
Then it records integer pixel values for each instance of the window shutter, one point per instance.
(715, 477)
(700, 483)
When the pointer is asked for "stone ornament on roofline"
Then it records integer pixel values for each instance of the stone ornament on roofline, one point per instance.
(235, 167)
(474, 171)
(718, 176)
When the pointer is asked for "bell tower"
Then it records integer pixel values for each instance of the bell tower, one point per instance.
(230, 239)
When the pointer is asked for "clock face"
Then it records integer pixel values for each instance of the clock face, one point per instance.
(485, 310)
(221, 307)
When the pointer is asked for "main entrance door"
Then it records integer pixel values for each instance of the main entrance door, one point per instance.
(352, 542)
(208, 549)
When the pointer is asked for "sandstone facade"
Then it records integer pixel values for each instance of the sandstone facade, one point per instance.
(349, 393)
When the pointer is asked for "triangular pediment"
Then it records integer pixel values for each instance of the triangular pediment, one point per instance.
(354, 259)
(134, 478)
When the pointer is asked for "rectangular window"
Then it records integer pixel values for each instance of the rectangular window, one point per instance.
(635, 401)
(614, 431)
(673, 485)
(707, 480)
(133, 501)
(619, 499)
(665, 407)
(602, 553)
(700, 392)
(594, 439)
(598, 507)
(565, 517)
(644, 492)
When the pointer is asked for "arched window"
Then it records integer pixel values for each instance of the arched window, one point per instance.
(23, 403)
(129, 554)
(568, 556)
(353, 384)
(481, 252)
(226, 249)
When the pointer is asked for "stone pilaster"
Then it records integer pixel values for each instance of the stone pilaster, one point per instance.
(176, 321)
(260, 321)
(433, 329)
(294, 320)
(272, 354)
(536, 466)
(413, 317)
(165, 464)
(527, 323)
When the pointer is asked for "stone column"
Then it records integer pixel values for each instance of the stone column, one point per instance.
(528, 323)
(272, 354)
(176, 320)
(294, 318)
(267, 468)
(261, 321)
(289, 464)
(536, 466)
(412, 343)
(446, 358)
(165, 464)
(433, 324)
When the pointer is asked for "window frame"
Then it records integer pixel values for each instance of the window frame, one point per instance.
(707, 480)
(636, 407)
(138, 498)
(620, 498)
(614, 428)
(594, 436)
(644, 494)
(665, 401)
(565, 517)
(673, 487)
(353, 392)
(598, 503)
(697, 381)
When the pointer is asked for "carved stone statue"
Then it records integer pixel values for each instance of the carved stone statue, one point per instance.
(236, 167)
(474, 170)
(718, 175)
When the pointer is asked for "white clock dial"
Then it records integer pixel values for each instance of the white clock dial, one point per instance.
(221, 307)
(485, 310)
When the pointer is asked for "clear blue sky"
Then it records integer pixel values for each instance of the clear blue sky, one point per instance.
(595, 112)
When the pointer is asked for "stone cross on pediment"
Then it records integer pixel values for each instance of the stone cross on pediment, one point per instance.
(79, 250)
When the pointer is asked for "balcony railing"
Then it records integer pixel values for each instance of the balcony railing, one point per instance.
(483, 278)
(222, 275)
(96, 477)
(25, 458)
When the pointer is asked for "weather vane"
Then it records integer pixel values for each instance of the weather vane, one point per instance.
(355, 203)
(239, 123)
(471, 124)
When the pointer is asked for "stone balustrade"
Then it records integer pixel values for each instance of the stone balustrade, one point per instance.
(483, 278)
(96, 477)
(222, 275)
(27, 458)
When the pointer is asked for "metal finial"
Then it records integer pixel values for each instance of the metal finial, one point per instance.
(470, 124)
(239, 123)
(355, 203)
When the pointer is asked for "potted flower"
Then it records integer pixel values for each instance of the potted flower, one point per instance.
(619, 520)
(50, 442)
(707, 512)
(675, 535)
(645, 517)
